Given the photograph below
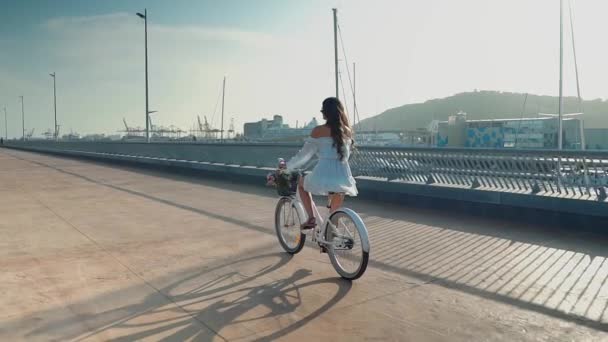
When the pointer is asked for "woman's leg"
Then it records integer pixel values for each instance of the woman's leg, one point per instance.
(306, 198)
(336, 201)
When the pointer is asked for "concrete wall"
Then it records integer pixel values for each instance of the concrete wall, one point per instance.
(259, 155)
(250, 163)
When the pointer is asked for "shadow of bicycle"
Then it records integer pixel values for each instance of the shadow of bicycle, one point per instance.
(241, 298)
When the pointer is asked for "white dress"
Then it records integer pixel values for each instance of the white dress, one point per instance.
(330, 174)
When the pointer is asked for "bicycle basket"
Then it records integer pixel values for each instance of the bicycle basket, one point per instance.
(286, 183)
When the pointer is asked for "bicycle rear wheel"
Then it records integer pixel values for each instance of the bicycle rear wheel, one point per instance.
(349, 245)
(287, 223)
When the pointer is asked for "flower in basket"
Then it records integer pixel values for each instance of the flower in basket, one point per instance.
(285, 182)
(271, 179)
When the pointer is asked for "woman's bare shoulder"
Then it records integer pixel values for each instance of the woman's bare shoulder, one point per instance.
(320, 132)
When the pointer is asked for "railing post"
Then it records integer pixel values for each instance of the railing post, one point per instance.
(601, 193)
(475, 184)
(535, 189)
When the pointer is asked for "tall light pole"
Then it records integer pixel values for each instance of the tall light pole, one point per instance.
(56, 134)
(22, 117)
(5, 125)
(223, 97)
(145, 18)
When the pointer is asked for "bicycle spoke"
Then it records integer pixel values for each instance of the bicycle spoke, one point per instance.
(350, 235)
(346, 244)
(287, 228)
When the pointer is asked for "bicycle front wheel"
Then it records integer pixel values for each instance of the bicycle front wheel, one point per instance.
(287, 223)
(348, 246)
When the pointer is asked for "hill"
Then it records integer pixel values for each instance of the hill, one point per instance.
(483, 105)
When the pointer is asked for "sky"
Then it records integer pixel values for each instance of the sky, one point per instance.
(278, 58)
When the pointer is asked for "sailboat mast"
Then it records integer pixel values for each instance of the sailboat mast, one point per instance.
(578, 85)
(336, 49)
(561, 72)
(354, 95)
(223, 96)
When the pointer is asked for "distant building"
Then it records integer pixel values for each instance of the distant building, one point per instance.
(71, 136)
(275, 129)
(377, 138)
(596, 138)
(258, 129)
(533, 133)
(101, 137)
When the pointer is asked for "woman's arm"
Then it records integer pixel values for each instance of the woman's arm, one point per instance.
(303, 156)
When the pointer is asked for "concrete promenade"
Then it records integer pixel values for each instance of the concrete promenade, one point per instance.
(91, 251)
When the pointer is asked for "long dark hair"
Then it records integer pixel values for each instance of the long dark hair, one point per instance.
(337, 121)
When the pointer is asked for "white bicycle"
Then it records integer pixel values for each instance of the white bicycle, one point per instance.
(342, 234)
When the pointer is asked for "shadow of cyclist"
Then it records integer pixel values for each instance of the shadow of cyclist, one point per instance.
(204, 304)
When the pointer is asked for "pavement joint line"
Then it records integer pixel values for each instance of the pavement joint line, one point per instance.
(240, 223)
(105, 250)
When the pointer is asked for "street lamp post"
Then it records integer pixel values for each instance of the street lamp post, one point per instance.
(22, 117)
(5, 125)
(56, 134)
(145, 18)
(223, 96)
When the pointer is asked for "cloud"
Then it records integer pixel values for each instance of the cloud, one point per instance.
(104, 20)
(116, 41)
(125, 25)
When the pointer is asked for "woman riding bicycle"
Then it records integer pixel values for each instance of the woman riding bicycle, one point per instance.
(331, 176)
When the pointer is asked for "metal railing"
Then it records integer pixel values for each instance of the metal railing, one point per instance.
(574, 174)
(550, 172)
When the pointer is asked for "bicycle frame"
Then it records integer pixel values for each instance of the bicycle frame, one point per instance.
(323, 222)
